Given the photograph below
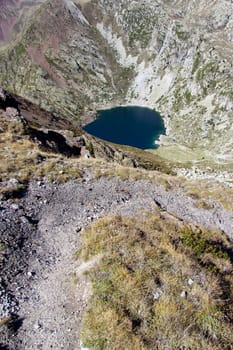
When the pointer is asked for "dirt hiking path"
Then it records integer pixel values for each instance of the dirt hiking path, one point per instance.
(39, 283)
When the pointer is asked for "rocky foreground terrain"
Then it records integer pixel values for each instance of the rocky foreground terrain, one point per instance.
(40, 235)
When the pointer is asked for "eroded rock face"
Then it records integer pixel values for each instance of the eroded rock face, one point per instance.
(80, 56)
(38, 124)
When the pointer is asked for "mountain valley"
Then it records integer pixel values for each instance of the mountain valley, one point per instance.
(105, 246)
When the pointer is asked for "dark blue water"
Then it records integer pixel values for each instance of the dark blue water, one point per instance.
(133, 126)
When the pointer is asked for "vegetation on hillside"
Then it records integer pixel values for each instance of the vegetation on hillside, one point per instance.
(22, 159)
(158, 285)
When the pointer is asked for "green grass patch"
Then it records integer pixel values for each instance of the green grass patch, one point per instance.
(181, 34)
(148, 160)
(188, 97)
(209, 68)
(20, 50)
(200, 243)
(196, 63)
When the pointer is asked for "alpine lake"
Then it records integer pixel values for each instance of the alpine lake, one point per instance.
(133, 126)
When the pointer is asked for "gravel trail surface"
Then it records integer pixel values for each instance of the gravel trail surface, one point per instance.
(40, 233)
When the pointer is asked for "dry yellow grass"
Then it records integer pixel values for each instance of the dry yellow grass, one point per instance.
(4, 320)
(210, 189)
(22, 159)
(158, 286)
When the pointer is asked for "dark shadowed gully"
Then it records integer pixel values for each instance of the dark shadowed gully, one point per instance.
(41, 301)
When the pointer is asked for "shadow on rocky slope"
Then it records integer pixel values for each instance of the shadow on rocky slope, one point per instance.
(52, 133)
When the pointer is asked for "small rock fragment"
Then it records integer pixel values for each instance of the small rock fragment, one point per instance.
(13, 182)
(184, 294)
(156, 295)
(37, 326)
(190, 282)
(15, 206)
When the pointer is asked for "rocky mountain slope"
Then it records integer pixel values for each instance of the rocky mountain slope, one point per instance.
(14, 15)
(70, 68)
(77, 56)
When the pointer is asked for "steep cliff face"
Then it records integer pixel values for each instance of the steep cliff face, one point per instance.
(77, 56)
